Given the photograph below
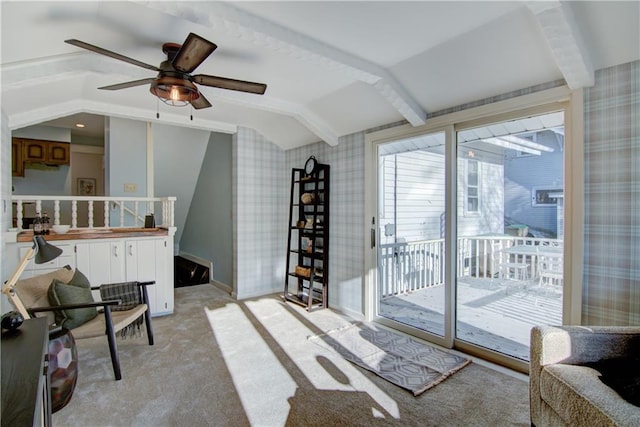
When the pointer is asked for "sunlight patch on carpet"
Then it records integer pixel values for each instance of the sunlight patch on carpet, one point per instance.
(399, 359)
(289, 329)
(263, 385)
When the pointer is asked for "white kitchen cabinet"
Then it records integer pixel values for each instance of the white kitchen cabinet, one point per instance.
(111, 260)
(102, 261)
(148, 260)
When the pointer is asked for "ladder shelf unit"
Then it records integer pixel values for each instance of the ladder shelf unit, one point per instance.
(307, 267)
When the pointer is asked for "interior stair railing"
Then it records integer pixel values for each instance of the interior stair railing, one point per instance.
(117, 212)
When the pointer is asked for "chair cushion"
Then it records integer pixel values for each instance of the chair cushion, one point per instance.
(96, 326)
(77, 291)
(621, 374)
(578, 396)
(33, 291)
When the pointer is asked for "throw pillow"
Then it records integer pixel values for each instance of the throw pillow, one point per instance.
(622, 375)
(80, 280)
(77, 291)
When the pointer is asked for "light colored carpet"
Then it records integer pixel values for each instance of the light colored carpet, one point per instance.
(398, 358)
(221, 362)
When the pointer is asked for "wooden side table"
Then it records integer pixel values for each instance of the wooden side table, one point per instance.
(25, 380)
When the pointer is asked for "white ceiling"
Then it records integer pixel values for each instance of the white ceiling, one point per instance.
(332, 68)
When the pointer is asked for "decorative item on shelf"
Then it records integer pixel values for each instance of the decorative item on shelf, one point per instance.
(38, 226)
(309, 223)
(303, 271)
(46, 223)
(61, 228)
(149, 221)
(309, 246)
(307, 198)
(310, 166)
(300, 224)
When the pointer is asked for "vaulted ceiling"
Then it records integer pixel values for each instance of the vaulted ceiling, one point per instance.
(332, 68)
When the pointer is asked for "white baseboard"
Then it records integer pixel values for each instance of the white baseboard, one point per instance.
(347, 312)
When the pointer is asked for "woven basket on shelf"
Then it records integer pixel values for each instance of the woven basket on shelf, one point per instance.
(307, 198)
(303, 271)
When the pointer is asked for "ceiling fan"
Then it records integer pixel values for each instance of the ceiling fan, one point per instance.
(174, 83)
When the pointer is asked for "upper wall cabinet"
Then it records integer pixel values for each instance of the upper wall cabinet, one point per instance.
(25, 150)
(17, 164)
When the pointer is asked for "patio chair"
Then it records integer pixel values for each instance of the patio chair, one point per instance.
(550, 270)
(33, 292)
(510, 268)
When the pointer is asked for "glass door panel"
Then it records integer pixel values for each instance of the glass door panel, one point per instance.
(411, 230)
(510, 226)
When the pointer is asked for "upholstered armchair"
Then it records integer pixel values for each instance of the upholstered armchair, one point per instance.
(579, 375)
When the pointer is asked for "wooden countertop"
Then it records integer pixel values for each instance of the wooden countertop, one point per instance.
(96, 233)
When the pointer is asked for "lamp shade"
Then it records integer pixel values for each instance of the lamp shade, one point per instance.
(45, 252)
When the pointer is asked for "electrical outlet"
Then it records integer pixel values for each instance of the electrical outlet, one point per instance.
(130, 188)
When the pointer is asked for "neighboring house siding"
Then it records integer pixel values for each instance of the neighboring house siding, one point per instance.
(417, 180)
(490, 218)
(523, 173)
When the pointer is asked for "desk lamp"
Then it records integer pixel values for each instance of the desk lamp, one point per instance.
(41, 252)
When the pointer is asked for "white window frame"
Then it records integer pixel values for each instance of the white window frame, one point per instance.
(534, 103)
(468, 212)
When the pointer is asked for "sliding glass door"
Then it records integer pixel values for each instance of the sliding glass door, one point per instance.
(510, 222)
(411, 230)
(467, 231)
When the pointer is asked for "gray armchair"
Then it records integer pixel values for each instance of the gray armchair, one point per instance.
(565, 389)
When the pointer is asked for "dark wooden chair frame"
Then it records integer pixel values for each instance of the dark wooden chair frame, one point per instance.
(109, 329)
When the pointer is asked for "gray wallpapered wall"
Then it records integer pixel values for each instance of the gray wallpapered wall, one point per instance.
(259, 200)
(611, 290)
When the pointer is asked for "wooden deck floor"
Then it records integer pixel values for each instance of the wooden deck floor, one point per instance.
(494, 313)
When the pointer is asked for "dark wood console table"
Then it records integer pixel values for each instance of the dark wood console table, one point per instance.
(25, 382)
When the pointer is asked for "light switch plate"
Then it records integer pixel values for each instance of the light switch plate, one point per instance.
(130, 188)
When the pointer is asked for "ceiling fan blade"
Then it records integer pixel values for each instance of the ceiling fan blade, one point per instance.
(232, 84)
(106, 52)
(127, 84)
(200, 102)
(194, 50)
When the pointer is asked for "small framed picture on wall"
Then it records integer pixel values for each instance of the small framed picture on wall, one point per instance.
(86, 186)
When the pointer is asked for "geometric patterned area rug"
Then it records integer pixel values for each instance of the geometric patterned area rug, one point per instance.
(399, 359)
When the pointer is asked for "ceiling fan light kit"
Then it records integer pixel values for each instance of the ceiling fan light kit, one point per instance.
(174, 92)
(174, 84)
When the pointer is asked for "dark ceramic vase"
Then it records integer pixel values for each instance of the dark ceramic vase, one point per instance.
(63, 368)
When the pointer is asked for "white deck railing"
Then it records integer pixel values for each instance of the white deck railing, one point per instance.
(408, 267)
(79, 211)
